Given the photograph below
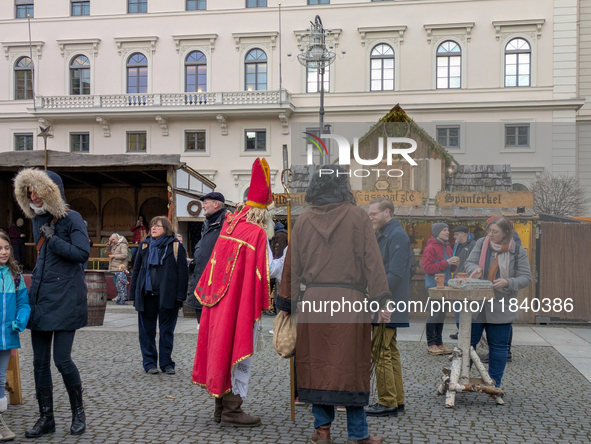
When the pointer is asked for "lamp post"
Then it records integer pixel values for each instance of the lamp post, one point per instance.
(316, 55)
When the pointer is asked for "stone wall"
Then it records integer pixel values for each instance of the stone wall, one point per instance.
(480, 178)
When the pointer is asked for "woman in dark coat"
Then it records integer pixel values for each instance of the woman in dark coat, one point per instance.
(58, 291)
(158, 289)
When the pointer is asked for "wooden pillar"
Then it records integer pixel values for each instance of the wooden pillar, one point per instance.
(99, 225)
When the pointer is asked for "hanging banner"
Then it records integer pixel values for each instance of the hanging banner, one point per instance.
(499, 199)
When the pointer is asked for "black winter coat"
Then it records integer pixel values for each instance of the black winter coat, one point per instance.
(58, 292)
(395, 249)
(173, 275)
(463, 252)
(203, 249)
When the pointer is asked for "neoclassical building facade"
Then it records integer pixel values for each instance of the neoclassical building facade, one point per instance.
(219, 83)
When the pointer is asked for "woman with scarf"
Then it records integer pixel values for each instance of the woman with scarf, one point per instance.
(158, 289)
(499, 259)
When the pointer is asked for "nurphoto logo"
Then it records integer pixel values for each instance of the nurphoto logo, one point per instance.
(344, 149)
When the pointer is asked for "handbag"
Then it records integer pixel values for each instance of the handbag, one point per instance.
(285, 334)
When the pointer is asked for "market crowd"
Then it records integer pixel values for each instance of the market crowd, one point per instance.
(336, 250)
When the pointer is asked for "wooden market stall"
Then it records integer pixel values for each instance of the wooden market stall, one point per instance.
(110, 191)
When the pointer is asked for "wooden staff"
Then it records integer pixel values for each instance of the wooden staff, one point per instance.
(285, 180)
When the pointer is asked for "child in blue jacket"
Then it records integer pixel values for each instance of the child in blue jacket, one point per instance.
(14, 312)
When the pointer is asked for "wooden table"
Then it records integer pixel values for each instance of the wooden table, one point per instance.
(457, 378)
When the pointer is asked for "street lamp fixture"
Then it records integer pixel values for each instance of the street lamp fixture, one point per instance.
(316, 55)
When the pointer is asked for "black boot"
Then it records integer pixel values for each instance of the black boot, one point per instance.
(45, 424)
(78, 416)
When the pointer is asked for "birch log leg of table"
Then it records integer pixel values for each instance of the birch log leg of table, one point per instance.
(457, 378)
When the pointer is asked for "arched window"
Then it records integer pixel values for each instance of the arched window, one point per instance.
(80, 75)
(449, 65)
(23, 78)
(382, 68)
(137, 74)
(255, 70)
(196, 72)
(517, 63)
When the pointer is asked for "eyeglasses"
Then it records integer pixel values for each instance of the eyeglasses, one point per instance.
(493, 232)
(157, 226)
(374, 214)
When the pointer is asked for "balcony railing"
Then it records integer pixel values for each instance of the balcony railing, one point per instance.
(243, 98)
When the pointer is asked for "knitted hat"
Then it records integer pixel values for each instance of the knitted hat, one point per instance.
(438, 228)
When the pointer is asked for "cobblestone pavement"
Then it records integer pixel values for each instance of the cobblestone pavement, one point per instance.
(547, 400)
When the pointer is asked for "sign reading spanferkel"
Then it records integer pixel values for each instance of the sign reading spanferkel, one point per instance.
(485, 200)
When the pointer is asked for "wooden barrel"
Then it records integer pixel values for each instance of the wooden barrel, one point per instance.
(97, 297)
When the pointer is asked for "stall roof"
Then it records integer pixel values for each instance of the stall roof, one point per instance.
(97, 170)
(433, 213)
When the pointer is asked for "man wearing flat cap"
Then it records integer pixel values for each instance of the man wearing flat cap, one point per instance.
(214, 210)
(462, 249)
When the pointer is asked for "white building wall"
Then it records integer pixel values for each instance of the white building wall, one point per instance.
(482, 106)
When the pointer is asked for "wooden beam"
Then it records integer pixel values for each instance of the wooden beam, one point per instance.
(110, 176)
(78, 180)
(153, 177)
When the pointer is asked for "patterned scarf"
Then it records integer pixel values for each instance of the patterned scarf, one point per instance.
(153, 245)
(501, 261)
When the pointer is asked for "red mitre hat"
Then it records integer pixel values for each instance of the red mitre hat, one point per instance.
(259, 193)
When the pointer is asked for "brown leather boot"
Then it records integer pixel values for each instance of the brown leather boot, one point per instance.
(233, 415)
(369, 440)
(217, 414)
(322, 435)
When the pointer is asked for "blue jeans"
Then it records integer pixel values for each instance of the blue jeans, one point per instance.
(356, 421)
(497, 336)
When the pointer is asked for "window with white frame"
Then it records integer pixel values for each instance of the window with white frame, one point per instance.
(137, 74)
(195, 141)
(80, 75)
(448, 136)
(137, 6)
(194, 5)
(23, 79)
(318, 2)
(196, 72)
(313, 80)
(23, 141)
(255, 70)
(137, 141)
(80, 8)
(256, 3)
(255, 140)
(518, 63)
(382, 68)
(449, 65)
(517, 135)
(80, 142)
(24, 8)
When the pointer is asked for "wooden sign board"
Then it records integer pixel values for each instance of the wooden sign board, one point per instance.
(280, 199)
(500, 199)
(399, 197)
(363, 197)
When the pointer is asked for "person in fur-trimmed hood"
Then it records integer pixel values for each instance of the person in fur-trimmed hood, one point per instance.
(57, 294)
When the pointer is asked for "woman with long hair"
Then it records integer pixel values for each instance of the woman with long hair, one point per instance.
(500, 260)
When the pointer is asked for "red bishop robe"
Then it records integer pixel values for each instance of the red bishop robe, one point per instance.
(234, 291)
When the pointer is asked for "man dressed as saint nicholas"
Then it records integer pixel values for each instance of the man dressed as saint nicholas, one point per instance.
(234, 291)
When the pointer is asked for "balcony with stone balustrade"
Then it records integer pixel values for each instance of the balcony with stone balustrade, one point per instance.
(206, 103)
